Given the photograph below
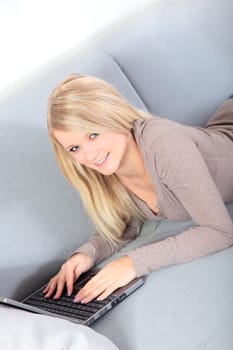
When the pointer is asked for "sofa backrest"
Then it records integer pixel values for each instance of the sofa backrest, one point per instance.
(175, 59)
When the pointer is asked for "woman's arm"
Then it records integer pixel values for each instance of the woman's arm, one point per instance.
(185, 173)
(99, 248)
(84, 258)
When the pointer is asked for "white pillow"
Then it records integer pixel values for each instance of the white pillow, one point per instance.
(23, 330)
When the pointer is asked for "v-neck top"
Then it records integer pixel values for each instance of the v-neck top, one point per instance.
(192, 171)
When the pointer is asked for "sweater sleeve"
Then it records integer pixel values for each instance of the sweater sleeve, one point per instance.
(99, 248)
(183, 170)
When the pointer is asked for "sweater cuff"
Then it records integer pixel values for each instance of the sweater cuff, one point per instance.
(139, 263)
(87, 249)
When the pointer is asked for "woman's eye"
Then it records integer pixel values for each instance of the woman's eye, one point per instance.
(93, 135)
(74, 149)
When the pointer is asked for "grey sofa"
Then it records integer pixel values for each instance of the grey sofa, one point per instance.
(176, 60)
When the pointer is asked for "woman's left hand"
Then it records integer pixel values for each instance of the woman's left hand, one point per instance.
(114, 275)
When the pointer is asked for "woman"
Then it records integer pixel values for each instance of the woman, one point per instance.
(128, 166)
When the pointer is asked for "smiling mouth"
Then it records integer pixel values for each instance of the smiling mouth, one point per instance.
(102, 160)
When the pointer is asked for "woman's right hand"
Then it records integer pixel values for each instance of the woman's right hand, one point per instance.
(68, 274)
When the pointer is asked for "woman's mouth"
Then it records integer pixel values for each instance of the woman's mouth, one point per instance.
(102, 160)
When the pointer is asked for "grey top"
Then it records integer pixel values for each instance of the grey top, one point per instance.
(192, 170)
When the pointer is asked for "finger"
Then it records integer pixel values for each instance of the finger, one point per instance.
(70, 277)
(60, 286)
(49, 290)
(96, 281)
(89, 287)
(102, 293)
(88, 296)
(107, 292)
(91, 291)
(45, 290)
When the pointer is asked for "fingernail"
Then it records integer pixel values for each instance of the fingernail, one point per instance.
(77, 300)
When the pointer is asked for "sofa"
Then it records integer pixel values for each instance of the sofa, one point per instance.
(174, 59)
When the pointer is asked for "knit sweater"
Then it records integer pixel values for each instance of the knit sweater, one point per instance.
(192, 171)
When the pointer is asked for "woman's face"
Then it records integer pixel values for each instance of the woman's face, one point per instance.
(104, 152)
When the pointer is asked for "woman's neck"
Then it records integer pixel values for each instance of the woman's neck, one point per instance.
(132, 166)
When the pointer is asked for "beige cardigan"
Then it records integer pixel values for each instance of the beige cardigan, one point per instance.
(192, 170)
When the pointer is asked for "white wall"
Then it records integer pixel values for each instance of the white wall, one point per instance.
(34, 32)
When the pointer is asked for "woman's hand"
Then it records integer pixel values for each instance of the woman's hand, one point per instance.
(114, 275)
(68, 274)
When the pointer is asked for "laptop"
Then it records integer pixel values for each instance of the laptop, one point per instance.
(66, 308)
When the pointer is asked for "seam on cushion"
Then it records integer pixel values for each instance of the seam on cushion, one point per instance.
(127, 77)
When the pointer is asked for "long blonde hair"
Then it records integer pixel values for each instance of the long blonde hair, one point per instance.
(91, 104)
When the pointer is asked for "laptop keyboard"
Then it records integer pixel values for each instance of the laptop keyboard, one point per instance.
(66, 306)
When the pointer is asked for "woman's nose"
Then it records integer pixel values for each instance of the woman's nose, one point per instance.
(90, 153)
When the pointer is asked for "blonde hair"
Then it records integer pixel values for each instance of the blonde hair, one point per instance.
(91, 104)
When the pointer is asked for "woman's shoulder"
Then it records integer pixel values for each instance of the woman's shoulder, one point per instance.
(147, 131)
